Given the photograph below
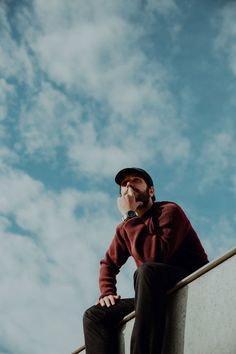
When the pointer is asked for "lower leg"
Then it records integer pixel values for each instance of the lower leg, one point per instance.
(152, 281)
(100, 326)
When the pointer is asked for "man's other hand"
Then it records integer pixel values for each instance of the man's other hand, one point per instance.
(108, 300)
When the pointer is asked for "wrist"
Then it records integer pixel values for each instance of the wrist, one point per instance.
(129, 214)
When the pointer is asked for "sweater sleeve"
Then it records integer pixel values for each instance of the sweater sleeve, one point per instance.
(115, 257)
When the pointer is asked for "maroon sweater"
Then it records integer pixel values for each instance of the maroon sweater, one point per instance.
(163, 234)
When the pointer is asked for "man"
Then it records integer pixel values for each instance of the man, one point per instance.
(165, 247)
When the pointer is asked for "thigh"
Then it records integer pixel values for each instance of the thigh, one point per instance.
(171, 274)
(110, 315)
(160, 274)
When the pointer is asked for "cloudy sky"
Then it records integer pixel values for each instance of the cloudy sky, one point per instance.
(88, 87)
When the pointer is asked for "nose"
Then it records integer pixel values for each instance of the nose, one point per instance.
(129, 184)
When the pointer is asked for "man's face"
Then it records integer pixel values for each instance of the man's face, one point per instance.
(142, 192)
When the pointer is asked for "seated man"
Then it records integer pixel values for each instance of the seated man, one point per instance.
(165, 248)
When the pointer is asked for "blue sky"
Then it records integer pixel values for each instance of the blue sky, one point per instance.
(86, 88)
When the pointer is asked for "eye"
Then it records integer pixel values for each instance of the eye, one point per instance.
(137, 180)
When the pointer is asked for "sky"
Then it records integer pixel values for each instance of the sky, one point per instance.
(88, 87)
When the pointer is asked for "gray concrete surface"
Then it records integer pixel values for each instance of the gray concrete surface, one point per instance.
(202, 315)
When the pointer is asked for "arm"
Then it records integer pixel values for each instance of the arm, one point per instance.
(115, 257)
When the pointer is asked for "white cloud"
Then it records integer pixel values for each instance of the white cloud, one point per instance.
(162, 6)
(90, 157)
(219, 151)
(217, 161)
(226, 39)
(5, 90)
(98, 54)
(216, 230)
(15, 61)
(7, 155)
(92, 50)
(220, 238)
(51, 245)
(100, 58)
(45, 119)
(234, 182)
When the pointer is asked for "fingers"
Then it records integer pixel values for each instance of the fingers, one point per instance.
(128, 202)
(128, 191)
(108, 300)
(129, 195)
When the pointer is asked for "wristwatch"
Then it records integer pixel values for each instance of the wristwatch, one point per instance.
(129, 214)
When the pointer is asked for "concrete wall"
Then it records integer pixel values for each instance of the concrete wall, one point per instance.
(201, 315)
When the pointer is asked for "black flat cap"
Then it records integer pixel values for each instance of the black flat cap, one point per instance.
(133, 170)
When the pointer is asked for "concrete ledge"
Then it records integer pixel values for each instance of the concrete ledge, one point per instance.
(191, 277)
(183, 283)
(79, 350)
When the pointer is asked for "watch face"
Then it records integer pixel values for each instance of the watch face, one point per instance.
(131, 214)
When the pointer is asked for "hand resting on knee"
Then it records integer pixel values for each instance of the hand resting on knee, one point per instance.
(108, 300)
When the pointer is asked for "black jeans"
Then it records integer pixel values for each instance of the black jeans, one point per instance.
(151, 283)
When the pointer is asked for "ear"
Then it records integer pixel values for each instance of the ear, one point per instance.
(151, 191)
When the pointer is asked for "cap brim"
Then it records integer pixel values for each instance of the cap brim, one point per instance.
(133, 170)
(122, 173)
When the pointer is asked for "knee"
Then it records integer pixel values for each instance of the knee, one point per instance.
(150, 272)
(92, 316)
(142, 273)
(86, 318)
(145, 268)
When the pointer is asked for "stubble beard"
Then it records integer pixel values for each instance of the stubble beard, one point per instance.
(143, 197)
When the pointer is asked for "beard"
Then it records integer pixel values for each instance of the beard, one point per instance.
(143, 197)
